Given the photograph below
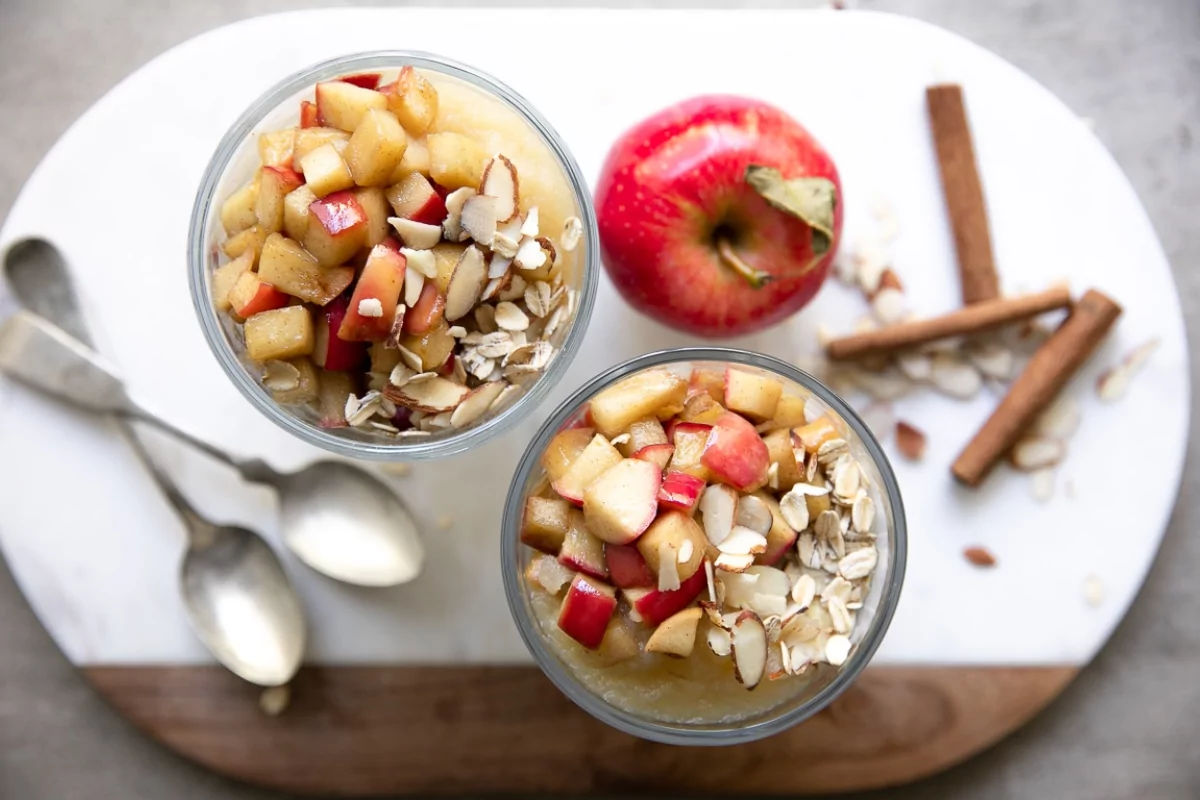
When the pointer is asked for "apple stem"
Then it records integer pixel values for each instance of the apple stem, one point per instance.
(755, 277)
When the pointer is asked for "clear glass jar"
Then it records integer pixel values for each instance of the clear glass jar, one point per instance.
(826, 682)
(234, 163)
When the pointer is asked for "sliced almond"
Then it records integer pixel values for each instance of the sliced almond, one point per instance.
(432, 396)
(719, 641)
(422, 261)
(1060, 419)
(393, 340)
(479, 216)
(280, 376)
(476, 404)
(718, 506)
(710, 579)
(505, 245)
(500, 182)
(1113, 384)
(416, 235)
(491, 290)
(572, 233)
(668, 568)
(529, 227)
(510, 318)
(889, 305)
(514, 289)
(414, 282)
(548, 246)
(452, 225)
(1037, 452)
(768, 605)
(743, 541)
(530, 254)
(748, 641)
(794, 509)
(980, 556)
(731, 562)
(465, 284)
(955, 378)
(753, 513)
(411, 359)
(916, 366)
(993, 360)
(485, 319)
(499, 267)
(505, 397)
(910, 440)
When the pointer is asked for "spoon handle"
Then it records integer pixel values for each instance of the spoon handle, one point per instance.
(199, 529)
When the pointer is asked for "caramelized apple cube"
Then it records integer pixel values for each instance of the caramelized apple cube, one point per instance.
(445, 258)
(657, 454)
(586, 610)
(621, 502)
(309, 139)
(789, 413)
(735, 454)
(248, 241)
(779, 451)
(282, 333)
(433, 347)
(331, 352)
(384, 359)
(626, 567)
(413, 99)
(364, 80)
(679, 534)
(376, 294)
(344, 105)
(333, 389)
(581, 551)
(427, 313)
(546, 523)
(250, 295)
(375, 206)
(224, 277)
(643, 433)
(416, 159)
(752, 395)
(563, 449)
(641, 395)
(375, 148)
(414, 198)
(275, 148)
(309, 116)
(237, 212)
(295, 212)
(817, 433)
(701, 408)
(594, 461)
(690, 439)
(337, 228)
(455, 160)
(275, 184)
(708, 381)
(325, 171)
(294, 270)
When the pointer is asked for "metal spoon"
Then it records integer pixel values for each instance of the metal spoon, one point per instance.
(338, 519)
(238, 598)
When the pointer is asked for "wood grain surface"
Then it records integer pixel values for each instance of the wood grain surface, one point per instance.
(392, 730)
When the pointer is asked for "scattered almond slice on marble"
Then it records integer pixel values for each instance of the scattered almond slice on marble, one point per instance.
(1113, 384)
(1042, 484)
(1037, 452)
(954, 377)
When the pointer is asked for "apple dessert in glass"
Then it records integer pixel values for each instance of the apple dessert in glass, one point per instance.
(391, 253)
(703, 544)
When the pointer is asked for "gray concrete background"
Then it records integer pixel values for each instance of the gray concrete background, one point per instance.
(1129, 727)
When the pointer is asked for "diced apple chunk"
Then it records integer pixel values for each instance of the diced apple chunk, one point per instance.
(248, 241)
(414, 198)
(376, 294)
(817, 433)
(563, 449)
(621, 502)
(780, 451)
(237, 212)
(684, 537)
(375, 148)
(789, 413)
(708, 381)
(225, 276)
(333, 390)
(594, 461)
(344, 105)
(546, 523)
(325, 171)
(295, 212)
(642, 395)
(275, 184)
(586, 610)
(581, 550)
(337, 228)
(643, 433)
(309, 139)
(413, 99)
(306, 388)
(416, 159)
(676, 635)
(657, 454)
(735, 453)
(279, 334)
(690, 439)
(292, 269)
(275, 148)
(701, 408)
(250, 295)
(752, 395)
(455, 160)
(375, 206)
(433, 346)
(626, 567)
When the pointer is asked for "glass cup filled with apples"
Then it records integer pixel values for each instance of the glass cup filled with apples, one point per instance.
(393, 256)
(703, 546)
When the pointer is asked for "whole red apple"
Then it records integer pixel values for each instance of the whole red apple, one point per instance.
(690, 240)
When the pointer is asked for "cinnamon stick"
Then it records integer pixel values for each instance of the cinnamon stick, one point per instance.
(963, 192)
(1047, 372)
(971, 319)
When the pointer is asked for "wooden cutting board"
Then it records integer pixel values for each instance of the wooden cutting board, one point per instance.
(427, 687)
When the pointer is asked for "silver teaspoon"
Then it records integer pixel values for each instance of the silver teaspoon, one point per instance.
(238, 598)
(338, 519)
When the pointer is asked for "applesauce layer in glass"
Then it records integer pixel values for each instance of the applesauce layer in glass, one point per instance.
(402, 261)
(705, 540)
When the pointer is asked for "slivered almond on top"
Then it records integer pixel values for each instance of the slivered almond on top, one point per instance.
(500, 181)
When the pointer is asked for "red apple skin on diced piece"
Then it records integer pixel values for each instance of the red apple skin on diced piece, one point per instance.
(735, 453)
(337, 228)
(563, 449)
(622, 501)
(657, 454)
(310, 117)
(654, 606)
(375, 206)
(586, 610)
(680, 492)
(382, 279)
(415, 198)
(581, 551)
(626, 567)
(364, 80)
(329, 350)
(593, 462)
(250, 296)
(427, 312)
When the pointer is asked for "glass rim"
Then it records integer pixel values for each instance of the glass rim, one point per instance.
(677, 733)
(411, 448)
